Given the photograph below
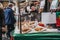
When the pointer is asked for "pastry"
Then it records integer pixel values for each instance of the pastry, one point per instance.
(25, 30)
(38, 29)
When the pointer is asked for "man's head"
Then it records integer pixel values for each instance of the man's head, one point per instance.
(10, 5)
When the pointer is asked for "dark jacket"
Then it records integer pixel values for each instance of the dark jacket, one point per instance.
(1, 17)
(9, 16)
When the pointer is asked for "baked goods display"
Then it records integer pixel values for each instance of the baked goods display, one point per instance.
(29, 27)
(25, 28)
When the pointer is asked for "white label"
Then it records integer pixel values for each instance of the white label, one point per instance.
(48, 18)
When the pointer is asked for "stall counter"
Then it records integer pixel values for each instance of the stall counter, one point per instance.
(38, 36)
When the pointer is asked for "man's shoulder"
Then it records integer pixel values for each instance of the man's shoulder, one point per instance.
(8, 9)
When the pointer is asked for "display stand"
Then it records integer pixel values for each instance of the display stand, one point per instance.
(38, 36)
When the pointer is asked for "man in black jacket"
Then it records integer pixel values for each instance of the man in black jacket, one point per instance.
(1, 20)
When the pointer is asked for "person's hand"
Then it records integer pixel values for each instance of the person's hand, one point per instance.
(40, 10)
(58, 8)
(53, 10)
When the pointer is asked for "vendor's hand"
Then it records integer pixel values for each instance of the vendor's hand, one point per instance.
(58, 8)
(40, 10)
(53, 10)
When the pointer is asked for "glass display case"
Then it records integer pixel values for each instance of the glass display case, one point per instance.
(36, 18)
(39, 25)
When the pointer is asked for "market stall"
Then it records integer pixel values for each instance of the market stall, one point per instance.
(38, 33)
(36, 30)
(39, 30)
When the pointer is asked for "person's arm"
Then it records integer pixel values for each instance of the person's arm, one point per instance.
(42, 4)
(2, 16)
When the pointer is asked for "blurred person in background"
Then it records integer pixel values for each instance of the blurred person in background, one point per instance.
(42, 5)
(22, 12)
(54, 5)
(48, 5)
(41, 8)
(34, 12)
(37, 9)
(53, 8)
(28, 10)
(9, 19)
(1, 19)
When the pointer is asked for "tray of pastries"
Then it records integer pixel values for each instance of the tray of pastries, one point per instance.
(28, 27)
(38, 29)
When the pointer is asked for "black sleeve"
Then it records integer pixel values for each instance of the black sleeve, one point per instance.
(2, 16)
